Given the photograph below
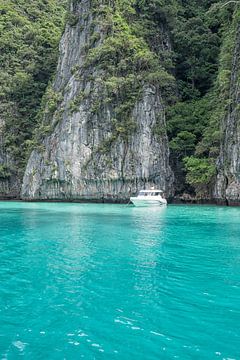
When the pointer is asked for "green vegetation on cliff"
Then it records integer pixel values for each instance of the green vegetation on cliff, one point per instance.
(203, 41)
(127, 59)
(29, 38)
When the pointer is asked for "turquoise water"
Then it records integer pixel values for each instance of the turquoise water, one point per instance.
(116, 282)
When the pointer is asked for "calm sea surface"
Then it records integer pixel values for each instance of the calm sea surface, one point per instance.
(116, 282)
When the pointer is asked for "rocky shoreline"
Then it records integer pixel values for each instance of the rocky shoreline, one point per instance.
(177, 200)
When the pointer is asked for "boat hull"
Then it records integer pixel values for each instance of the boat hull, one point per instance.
(148, 202)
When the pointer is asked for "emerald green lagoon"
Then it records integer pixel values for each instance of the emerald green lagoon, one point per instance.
(100, 281)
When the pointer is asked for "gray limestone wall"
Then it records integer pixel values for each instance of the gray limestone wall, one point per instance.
(84, 157)
(227, 189)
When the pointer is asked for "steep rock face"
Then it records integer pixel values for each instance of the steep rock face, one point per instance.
(228, 179)
(9, 184)
(91, 153)
(4, 183)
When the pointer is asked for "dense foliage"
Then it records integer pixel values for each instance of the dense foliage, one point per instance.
(29, 38)
(203, 40)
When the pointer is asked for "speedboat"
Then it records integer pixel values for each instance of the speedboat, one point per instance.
(149, 198)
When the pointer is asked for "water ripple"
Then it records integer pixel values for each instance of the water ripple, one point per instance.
(109, 281)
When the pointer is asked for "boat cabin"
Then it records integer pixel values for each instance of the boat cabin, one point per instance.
(150, 197)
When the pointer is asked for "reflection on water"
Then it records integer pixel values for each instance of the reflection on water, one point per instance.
(149, 236)
(110, 281)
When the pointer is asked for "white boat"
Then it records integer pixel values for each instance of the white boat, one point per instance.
(149, 198)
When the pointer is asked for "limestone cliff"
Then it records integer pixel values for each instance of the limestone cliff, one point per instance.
(108, 136)
(10, 184)
(4, 182)
(228, 178)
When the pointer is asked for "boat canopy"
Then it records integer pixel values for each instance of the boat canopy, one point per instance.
(150, 192)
